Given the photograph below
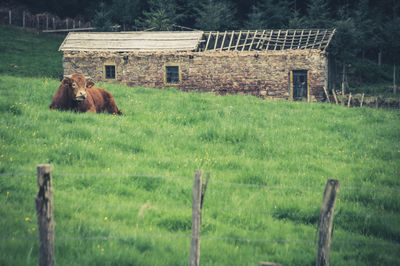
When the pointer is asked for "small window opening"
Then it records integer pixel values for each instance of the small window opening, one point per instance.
(172, 74)
(110, 71)
(299, 84)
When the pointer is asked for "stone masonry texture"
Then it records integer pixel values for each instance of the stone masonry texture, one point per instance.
(264, 74)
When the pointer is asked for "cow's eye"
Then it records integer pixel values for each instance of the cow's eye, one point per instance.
(74, 85)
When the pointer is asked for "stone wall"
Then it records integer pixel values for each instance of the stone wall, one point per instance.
(264, 74)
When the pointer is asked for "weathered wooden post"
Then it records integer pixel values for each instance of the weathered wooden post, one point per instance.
(327, 95)
(343, 81)
(54, 23)
(334, 96)
(199, 190)
(45, 215)
(47, 22)
(203, 194)
(362, 100)
(196, 219)
(325, 221)
(23, 19)
(394, 80)
(349, 100)
(9, 17)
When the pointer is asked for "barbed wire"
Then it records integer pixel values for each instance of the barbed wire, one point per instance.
(216, 238)
(111, 175)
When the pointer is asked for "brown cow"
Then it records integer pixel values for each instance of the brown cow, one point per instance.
(78, 95)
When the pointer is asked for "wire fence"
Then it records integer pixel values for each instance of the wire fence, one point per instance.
(152, 176)
(383, 243)
(44, 21)
(214, 238)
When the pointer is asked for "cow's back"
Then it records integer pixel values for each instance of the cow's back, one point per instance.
(103, 100)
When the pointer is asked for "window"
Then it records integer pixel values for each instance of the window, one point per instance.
(109, 71)
(172, 74)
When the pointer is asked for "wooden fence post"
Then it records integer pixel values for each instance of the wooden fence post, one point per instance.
(327, 95)
(325, 221)
(349, 100)
(196, 219)
(54, 23)
(9, 17)
(362, 100)
(199, 191)
(394, 80)
(334, 96)
(23, 19)
(45, 215)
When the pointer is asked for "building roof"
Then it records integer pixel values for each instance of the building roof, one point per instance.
(145, 41)
(132, 41)
(259, 40)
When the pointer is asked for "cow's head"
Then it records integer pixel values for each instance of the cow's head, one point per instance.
(75, 85)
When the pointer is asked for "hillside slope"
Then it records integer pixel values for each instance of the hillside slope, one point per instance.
(25, 53)
(123, 184)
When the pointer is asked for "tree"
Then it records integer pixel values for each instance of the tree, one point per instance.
(296, 21)
(365, 27)
(124, 12)
(215, 15)
(270, 14)
(255, 19)
(277, 13)
(392, 45)
(163, 15)
(102, 18)
(318, 14)
(344, 45)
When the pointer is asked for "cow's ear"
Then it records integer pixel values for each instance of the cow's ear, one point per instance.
(67, 81)
(89, 84)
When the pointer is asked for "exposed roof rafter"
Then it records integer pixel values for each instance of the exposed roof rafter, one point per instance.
(261, 40)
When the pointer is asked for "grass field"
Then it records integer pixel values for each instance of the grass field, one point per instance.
(123, 184)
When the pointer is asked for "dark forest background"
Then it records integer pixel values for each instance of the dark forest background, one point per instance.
(368, 31)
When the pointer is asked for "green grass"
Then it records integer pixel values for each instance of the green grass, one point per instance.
(26, 53)
(123, 184)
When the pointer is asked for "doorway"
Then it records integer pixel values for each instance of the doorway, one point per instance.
(299, 84)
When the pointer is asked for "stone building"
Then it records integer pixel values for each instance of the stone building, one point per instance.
(285, 64)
